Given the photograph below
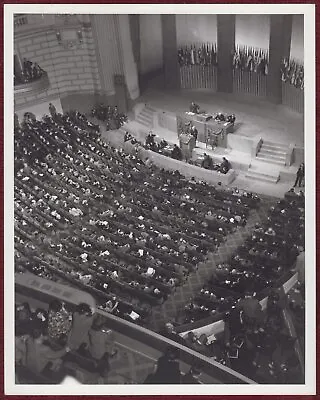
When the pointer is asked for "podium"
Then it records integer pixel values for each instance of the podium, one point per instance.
(187, 144)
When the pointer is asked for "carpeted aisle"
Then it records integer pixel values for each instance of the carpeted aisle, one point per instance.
(169, 310)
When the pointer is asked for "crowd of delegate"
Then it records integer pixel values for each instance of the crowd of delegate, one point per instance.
(97, 218)
(53, 343)
(255, 342)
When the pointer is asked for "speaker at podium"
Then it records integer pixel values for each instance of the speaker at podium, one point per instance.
(187, 144)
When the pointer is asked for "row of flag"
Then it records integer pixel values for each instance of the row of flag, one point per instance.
(250, 59)
(204, 54)
(244, 58)
(293, 72)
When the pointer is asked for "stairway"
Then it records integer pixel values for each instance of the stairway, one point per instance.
(146, 116)
(261, 171)
(273, 153)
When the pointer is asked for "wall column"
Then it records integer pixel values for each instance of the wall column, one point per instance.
(129, 65)
(279, 48)
(170, 51)
(104, 35)
(226, 46)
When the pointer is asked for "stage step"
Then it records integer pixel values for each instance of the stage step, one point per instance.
(269, 150)
(273, 144)
(262, 176)
(270, 160)
(274, 156)
(146, 117)
(273, 153)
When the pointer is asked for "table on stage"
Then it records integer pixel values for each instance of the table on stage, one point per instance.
(210, 131)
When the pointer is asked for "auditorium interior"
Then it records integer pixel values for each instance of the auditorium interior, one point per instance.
(159, 200)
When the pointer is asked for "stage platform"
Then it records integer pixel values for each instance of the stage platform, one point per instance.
(270, 172)
(254, 117)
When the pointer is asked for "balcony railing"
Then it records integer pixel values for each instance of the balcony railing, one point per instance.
(33, 87)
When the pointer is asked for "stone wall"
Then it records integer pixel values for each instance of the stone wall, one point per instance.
(70, 71)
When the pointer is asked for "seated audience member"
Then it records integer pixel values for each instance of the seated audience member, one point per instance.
(41, 358)
(127, 136)
(176, 153)
(81, 323)
(191, 377)
(224, 166)
(194, 108)
(150, 142)
(168, 369)
(163, 143)
(207, 162)
(220, 117)
(231, 118)
(59, 321)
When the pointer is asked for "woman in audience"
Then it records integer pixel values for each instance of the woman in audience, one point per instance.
(59, 321)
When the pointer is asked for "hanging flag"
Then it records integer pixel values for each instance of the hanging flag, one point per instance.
(192, 56)
(196, 56)
(214, 54)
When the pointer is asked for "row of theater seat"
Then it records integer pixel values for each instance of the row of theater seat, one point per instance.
(259, 264)
(93, 215)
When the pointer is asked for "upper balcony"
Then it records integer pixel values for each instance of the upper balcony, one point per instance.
(33, 87)
(28, 23)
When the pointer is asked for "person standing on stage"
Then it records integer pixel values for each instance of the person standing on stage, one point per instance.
(194, 132)
(299, 176)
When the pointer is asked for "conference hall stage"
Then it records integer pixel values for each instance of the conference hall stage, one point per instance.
(256, 120)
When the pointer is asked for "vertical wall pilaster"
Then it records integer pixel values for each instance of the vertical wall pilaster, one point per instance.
(226, 44)
(105, 39)
(279, 47)
(129, 65)
(170, 57)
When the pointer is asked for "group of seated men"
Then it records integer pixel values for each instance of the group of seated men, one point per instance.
(208, 163)
(110, 115)
(220, 117)
(94, 216)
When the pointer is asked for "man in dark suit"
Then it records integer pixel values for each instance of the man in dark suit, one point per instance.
(225, 165)
(299, 176)
(194, 132)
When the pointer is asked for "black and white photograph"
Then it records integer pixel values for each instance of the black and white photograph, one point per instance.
(159, 199)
